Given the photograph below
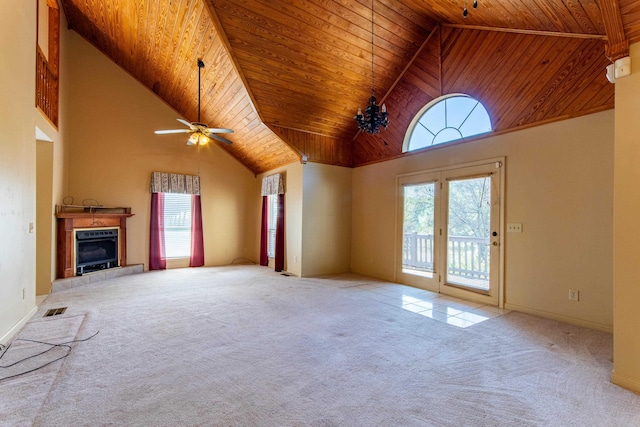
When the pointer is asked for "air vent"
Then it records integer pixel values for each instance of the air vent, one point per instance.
(55, 311)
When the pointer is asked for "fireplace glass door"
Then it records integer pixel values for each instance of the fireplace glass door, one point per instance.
(96, 250)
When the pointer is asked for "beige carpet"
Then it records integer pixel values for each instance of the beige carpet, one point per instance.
(244, 346)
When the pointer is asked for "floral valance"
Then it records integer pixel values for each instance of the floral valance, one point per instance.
(272, 184)
(162, 182)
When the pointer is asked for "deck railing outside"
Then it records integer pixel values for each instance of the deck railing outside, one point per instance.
(468, 256)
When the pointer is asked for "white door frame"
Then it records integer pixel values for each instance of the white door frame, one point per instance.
(499, 165)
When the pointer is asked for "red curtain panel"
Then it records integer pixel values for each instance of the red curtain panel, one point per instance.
(197, 237)
(280, 235)
(157, 259)
(264, 232)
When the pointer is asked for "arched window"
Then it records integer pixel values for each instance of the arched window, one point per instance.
(446, 119)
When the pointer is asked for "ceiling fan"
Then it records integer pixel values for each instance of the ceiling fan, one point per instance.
(200, 132)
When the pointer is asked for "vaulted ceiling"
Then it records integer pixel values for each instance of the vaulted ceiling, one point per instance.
(289, 75)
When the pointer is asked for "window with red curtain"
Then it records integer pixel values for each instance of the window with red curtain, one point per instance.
(176, 220)
(272, 225)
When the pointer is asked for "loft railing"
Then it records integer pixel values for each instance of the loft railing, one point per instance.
(46, 88)
(468, 257)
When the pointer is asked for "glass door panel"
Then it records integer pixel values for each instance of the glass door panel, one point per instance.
(469, 233)
(417, 229)
(418, 233)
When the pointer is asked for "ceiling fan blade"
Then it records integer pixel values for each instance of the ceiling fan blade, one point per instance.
(219, 130)
(167, 131)
(219, 138)
(184, 122)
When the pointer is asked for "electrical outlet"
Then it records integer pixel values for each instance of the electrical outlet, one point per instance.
(514, 227)
(574, 295)
(295, 258)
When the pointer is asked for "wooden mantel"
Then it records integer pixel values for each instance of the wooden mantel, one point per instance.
(71, 218)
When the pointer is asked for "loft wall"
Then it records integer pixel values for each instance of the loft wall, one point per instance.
(112, 151)
(17, 164)
(559, 180)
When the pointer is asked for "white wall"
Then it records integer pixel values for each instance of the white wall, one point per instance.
(17, 163)
(559, 180)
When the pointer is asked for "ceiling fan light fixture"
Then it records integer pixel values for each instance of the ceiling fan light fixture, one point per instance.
(200, 133)
(198, 138)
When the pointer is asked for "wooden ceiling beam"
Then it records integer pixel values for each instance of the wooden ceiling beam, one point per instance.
(617, 43)
(532, 32)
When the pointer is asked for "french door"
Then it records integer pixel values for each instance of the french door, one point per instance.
(450, 235)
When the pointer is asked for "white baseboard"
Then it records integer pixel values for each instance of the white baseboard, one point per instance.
(629, 383)
(560, 317)
(9, 335)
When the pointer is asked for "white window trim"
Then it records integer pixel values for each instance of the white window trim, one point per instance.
(420, 113)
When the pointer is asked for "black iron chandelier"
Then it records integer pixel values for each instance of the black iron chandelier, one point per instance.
(374, 116)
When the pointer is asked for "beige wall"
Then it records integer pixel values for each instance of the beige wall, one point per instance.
(44, 215)
(51, 169)
(43, 27)
(317, 218)
(49, 164)
(17, 163)
(326, 224)
(626, 233)
(292, 216)
(558, 185)
(112, 151)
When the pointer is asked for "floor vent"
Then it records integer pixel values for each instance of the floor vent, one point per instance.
(55, 311)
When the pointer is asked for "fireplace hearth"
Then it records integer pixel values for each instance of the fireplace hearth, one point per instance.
(96, 250)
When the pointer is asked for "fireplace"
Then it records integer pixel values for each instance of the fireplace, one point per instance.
(96, 250)
(105, 248)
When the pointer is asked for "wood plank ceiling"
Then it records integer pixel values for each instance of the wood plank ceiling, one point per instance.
(288, 76)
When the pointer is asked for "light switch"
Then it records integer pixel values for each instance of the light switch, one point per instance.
(514, 227)
(31, 228)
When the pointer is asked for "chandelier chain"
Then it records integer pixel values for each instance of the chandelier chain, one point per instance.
(374, 116)
(372, 73)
